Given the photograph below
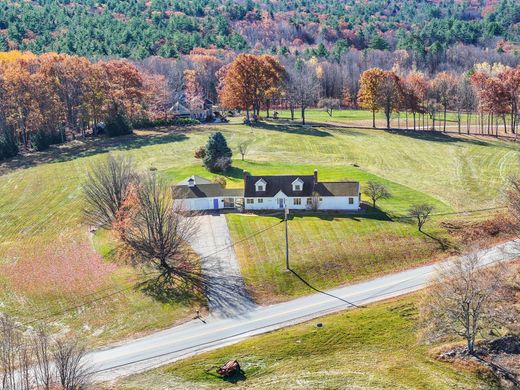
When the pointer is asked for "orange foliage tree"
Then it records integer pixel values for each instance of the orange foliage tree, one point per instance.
(369, 95)
(51, 93)
(250, 81)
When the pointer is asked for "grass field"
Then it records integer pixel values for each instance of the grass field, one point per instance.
(363, 118)
(374, 348)
(41, 206)
(326, 251)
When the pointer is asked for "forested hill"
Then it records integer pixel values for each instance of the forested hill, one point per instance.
(141, 28)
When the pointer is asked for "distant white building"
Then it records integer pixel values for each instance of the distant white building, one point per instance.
(270, 193)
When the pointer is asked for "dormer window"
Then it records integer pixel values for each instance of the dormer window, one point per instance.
(297, 185)
(260, 185)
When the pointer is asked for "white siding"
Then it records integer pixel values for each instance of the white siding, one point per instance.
(326, 203)
(201, 204)
(267, 204)
(338, 203)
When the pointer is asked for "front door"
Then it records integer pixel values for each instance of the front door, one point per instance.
(215, 204)
(281, 203)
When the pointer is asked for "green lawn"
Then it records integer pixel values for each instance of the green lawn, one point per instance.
(374, 348)
(364, 118)
(41, 206)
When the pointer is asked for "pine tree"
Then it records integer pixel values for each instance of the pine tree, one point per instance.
(218, 155)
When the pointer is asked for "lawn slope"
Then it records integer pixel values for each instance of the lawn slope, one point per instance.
(374, 348)
(47, 261)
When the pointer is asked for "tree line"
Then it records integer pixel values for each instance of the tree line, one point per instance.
(48, 98)
(139, 29)
(254, 82)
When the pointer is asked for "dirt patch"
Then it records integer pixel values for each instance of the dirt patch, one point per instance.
(500, 356)
(495, 229)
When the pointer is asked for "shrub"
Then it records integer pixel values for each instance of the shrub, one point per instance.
(8, 145)
(147, 123)
(185, 121)
(218, 155)
(200, 152)
(118, 124)
(42, 139)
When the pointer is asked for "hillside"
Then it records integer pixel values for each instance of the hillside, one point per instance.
(138, 28)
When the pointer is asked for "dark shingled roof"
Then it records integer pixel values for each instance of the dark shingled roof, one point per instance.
(274, 184)
(284, 183)
(339, 188)
(205, 191)
(277, 183)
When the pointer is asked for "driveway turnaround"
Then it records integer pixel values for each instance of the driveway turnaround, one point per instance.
(225, 290)
(194, 337)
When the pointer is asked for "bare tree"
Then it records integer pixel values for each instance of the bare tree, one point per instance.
(513, 199)
(10, 342)
(107, 186)
(43, 370)
(156, 230)
(37, 361)
(460, 299)
(303, 86)
(376, 191)
(242, 148)
(329, 104)
(69, 360)
(420, 212)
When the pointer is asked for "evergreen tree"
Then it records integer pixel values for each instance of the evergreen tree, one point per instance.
(118, 123)
(218, 155)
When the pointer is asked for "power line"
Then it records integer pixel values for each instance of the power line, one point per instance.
(60, 312)
(314, 314)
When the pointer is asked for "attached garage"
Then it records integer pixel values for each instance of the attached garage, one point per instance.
(199, 194)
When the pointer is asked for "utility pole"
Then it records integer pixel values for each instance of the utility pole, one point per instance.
(286, 239)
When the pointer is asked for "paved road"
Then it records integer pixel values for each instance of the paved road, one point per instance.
(225, 290)
(193, 337)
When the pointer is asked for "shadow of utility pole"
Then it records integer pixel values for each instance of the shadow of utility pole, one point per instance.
(323, 292)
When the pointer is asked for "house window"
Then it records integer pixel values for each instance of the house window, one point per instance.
(297, 187)
(309, 201)
(260, 200)
(260, 188)
(350, 200)
(250, 201)
(297, 201)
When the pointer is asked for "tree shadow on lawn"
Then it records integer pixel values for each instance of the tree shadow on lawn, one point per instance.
(87, 147)
(162, 290)
(292, 129)
(367, 212)
(234, 172)
(443, 242)
(437, 136)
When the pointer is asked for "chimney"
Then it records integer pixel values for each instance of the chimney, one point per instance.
(246, 174)
(315, 175)
(191, 182)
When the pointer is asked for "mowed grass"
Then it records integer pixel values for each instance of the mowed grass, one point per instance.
(41, 205)
(363, 118)
(326, 250)
(371, 348)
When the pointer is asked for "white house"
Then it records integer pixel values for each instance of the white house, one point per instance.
(299, 193)
(302, 192)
